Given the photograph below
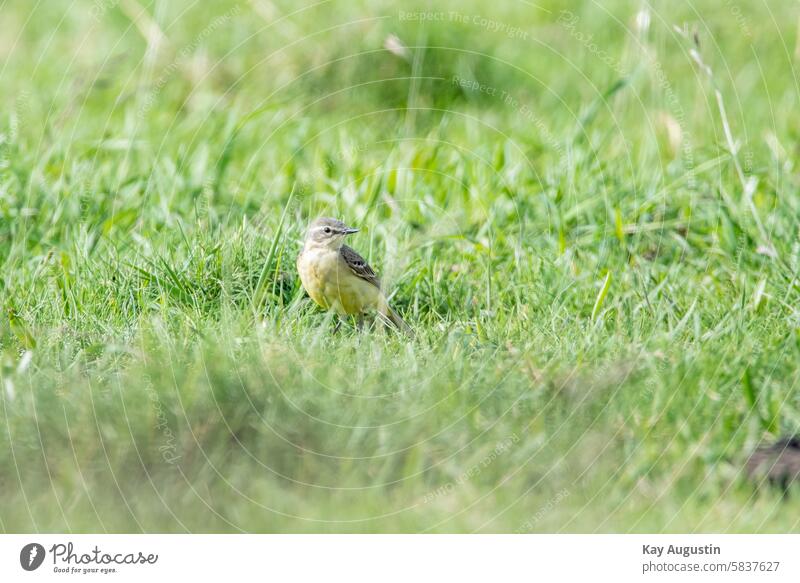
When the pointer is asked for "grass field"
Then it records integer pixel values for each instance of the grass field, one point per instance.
(589, 215)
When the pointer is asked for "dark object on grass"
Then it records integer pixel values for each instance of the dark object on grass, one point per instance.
(778, 463)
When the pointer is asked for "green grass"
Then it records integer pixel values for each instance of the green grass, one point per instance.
(605, 307)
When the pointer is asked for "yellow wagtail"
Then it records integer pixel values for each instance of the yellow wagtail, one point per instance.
(339, 279)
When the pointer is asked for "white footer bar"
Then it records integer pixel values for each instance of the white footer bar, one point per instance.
(401, 558)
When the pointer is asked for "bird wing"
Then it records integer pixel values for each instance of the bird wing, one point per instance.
(359, 266)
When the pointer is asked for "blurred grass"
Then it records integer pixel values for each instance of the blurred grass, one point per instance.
(606, 314)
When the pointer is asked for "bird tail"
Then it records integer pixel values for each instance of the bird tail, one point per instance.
(389, 315)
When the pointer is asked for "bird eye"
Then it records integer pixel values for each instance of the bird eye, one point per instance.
(327, 230)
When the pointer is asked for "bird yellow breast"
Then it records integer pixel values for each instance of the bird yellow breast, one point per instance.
(332, 285)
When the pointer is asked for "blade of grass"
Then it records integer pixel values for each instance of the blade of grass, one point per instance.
(601, 296)
(258, 294)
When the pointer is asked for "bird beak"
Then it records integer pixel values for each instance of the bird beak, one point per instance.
(350, 231)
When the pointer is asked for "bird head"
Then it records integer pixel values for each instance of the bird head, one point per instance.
(327, 232)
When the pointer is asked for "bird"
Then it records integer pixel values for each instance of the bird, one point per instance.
(337, 278)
